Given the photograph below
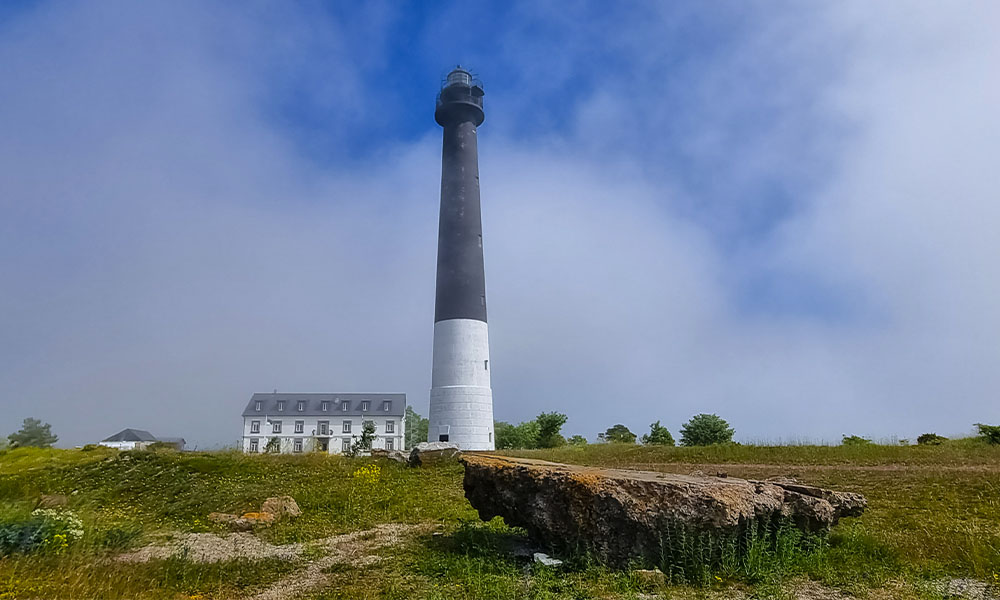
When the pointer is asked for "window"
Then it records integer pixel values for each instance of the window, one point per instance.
(486, 364)
(345, 446)
(254, 445)
(281, 405)
(390, 427)
(275, 426)
(325, 405)
(324, 428)
(387, 405)
(388, 445)
(297, 446)
(299, 426)
(254, 426)
(347, 427)
(364, 405)
(301, 405)
(345, 405)
(256, 406)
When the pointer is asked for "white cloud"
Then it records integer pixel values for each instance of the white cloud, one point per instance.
(168, 249)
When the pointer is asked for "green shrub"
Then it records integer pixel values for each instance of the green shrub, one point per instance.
(931, 439)
(44, 529)
(706, 430)
(577, 440)
(854, 440)
(658, 436)
(990, 433)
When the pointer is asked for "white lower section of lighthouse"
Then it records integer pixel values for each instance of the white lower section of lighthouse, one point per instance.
(461, 407)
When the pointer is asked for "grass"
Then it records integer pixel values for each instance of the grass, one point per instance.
(933, 512)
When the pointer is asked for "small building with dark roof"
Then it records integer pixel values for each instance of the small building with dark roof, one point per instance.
(327, 423)
(130, 439)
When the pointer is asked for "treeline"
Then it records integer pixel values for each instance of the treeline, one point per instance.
(545, 431)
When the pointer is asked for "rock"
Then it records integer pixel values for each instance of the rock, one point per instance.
(280, 507)
(246, 522)
(53, 501)
(619, 516)
(395, 455)
(650, 577)
(221, 518)
(545, 559)
(426, 453)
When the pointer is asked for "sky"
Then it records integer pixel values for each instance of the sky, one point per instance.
(784, 213)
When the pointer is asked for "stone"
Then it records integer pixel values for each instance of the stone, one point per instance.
(281, 506)
(221, 518)
(53, 501)
(426, 453)
(650, 577)
(621, 516)
(246, 522)
(545, 559)
(394, 455)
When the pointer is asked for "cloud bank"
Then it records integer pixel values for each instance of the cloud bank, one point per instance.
(792, 226)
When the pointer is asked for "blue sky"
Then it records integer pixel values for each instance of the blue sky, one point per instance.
(780, 212)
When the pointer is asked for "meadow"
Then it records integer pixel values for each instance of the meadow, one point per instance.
(934, 515)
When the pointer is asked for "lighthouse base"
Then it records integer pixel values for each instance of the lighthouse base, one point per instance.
(461, 402)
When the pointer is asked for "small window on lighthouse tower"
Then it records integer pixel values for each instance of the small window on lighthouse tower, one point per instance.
(486, 364)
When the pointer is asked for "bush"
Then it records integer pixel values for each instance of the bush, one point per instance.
(854, 440)
(931, 439)
(658, 436)
(706, 430)
(577, 440)
(521, 436)
(44, 530)
(990, 433)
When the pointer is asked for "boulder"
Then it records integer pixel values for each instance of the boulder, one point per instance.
(395, 455)
(281, 506)
(426, 453)
(621, 517)
(248, 521)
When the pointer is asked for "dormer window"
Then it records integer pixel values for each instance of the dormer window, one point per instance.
(345, 405)
(281, 405)
(301, 406)
(365, 404)
(387, 405)
(325, 405)
(256, 406)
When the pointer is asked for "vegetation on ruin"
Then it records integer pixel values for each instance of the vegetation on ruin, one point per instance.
(932, 514)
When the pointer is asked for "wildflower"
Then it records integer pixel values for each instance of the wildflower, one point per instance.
(368, 474)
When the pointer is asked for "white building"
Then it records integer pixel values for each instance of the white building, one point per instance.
(322, 422)
(130, 439)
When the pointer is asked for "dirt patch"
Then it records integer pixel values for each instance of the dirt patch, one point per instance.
(209, 547)
(353, 549)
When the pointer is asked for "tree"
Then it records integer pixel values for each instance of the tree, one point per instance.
(549, 425)
(990, 433)
(620, 434)
(706, 430)
(416, 428)
(363, 443)
(273, 445)
(658, 436)
(521, 436)
(577, 440)
(33, 433)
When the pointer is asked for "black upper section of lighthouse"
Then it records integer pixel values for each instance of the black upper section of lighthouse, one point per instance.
(461, 281)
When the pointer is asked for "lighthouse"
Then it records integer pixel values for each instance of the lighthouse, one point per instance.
(461, 403)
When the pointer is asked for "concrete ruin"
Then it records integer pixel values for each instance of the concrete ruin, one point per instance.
(621, 517)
